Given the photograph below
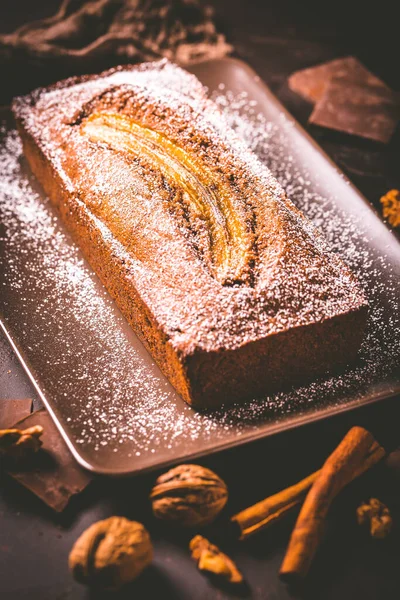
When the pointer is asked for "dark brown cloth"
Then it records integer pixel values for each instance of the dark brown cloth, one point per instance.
(87, 36)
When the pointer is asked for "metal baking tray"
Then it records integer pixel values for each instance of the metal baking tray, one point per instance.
(116, 411)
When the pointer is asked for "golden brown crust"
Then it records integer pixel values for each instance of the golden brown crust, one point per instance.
(227, 284)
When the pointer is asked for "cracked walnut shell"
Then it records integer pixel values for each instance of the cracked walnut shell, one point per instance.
(210, 559)
(111, 553)
(377, 516)
(20, 443)
(189, 495)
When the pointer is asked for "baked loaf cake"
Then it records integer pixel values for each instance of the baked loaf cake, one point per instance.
(228, 285)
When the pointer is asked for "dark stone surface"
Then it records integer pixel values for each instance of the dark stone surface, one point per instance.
(276, 38)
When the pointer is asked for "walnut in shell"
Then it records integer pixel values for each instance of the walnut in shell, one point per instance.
(189, 495)
(111, 553)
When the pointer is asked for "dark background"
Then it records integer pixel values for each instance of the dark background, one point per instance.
(276, 38)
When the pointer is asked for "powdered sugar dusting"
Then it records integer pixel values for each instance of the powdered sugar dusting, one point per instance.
(263, 288)
(110, 396)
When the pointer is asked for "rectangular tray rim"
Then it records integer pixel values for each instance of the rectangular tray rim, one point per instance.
(252, 436)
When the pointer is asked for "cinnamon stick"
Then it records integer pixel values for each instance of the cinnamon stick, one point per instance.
(357, 452)
(265, 513)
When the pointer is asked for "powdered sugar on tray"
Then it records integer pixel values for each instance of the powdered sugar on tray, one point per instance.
(102, 384)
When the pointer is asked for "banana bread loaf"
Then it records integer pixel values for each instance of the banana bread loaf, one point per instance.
(228, 285)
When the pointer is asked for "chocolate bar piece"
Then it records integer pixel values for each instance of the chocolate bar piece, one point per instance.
(12, 411)
(52, 474)
(312, 83)
(357, 109)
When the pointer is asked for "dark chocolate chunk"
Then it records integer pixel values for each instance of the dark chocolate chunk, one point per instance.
(367, 110)
(312, 83)
(12, 411)
(52, 473)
